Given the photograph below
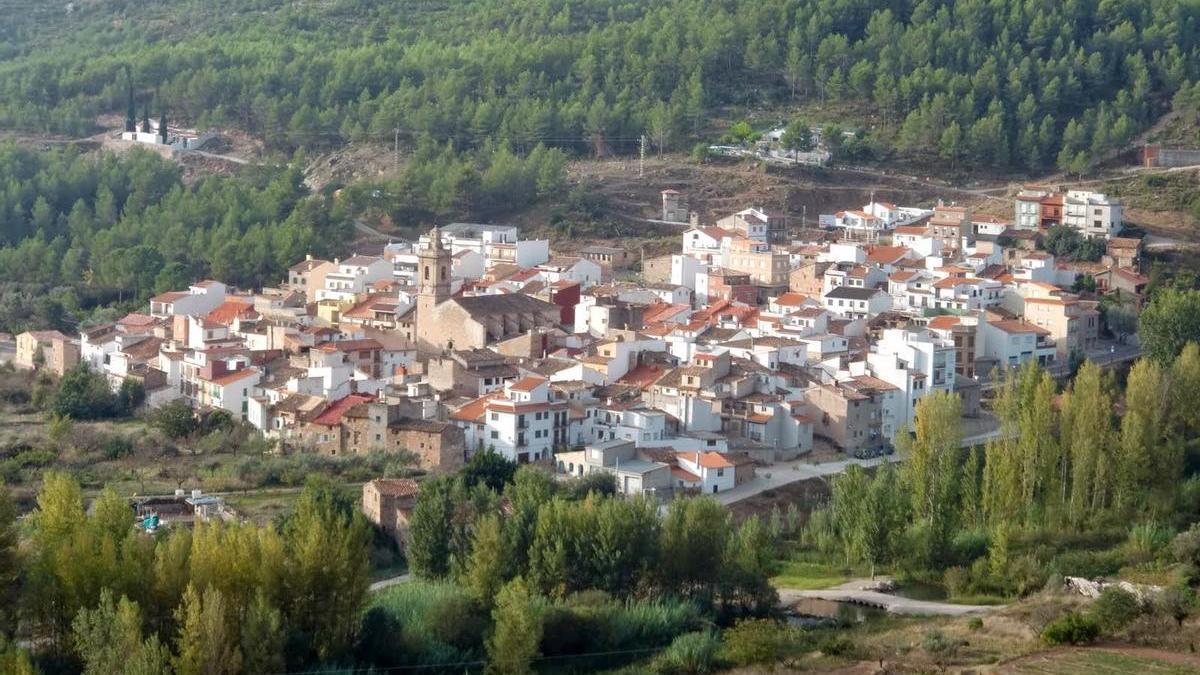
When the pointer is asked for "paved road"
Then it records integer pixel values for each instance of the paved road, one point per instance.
(388, 583)
(784, 473)
(894, 604)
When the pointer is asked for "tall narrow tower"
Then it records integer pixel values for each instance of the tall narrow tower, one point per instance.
(433, 288)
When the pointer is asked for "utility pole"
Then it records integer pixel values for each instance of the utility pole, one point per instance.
(804, 216)
(642, 158)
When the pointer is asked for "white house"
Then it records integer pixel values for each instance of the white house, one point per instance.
(1011, 343)
(859, 225)
(1092, 214)
(521, 423)
(353, 275)
(200, 298)
(712, 471)
(581, 270)
(704, 244)
(914, 361)
(851, 302)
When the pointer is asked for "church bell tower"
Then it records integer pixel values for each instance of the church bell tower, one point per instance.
(433, 288)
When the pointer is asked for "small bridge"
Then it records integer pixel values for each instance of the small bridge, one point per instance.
(892, 604)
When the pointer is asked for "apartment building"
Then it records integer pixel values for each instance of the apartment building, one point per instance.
(522, 422)
(1092, 214)
(856, 414)
(1073, 324)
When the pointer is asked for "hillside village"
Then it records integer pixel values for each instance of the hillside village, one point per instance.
(754, 343)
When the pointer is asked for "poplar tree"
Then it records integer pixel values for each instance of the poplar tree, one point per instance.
(485, 575)
(1184, 415)
(205, 645)
(1141, 439)
(1089, 442)
(932, 467)
(428, 549)
(849, 507)
(1037, 443)
(1001, 476)
(107, 636)
(517, 633)
(971, 493)
(326, 571)
(883, 518)
(262, 637)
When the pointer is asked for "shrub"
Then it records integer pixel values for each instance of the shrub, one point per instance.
(116, 446)
(976, 623)
(957, 581)
(1115, 609)
(174, 419)
(1177, 602)
(1089, 564)
(754, 641)
(457, 621)
(1072, 628)
(1147, 539)
(1025, 575)
(689, 654)
(837, 645)
(411, 607)
(935, 643)
(84, 394)
(969, 545)
(1185, 547)
(599, 482)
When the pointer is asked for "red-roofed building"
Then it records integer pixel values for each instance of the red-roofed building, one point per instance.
(715, 471)
(643, 377)
(231, 310)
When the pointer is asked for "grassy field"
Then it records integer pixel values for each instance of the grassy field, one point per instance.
(807, 576)
(1102, 662)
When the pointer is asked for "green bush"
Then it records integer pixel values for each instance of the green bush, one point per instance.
(755, 641)
(416, 608)
(591, 621)
(1185, 547)
(969, 545)
(976, 623)
(957, 581)
(1089, 564)
(1177, 602)
(116, 446)
(456, 620)
(1147, 539)
(1115, 609)
(836, 645)
(937, 644)
(1072, 628)
(689, 654)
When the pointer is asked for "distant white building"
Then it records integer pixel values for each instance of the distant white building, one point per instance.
(1092, 214)
(200, 298)
(353, 275)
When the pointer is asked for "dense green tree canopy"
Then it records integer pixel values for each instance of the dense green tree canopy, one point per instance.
(1028, 82)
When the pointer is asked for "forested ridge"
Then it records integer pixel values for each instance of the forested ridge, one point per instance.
(1003, 83)
(85, 230)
